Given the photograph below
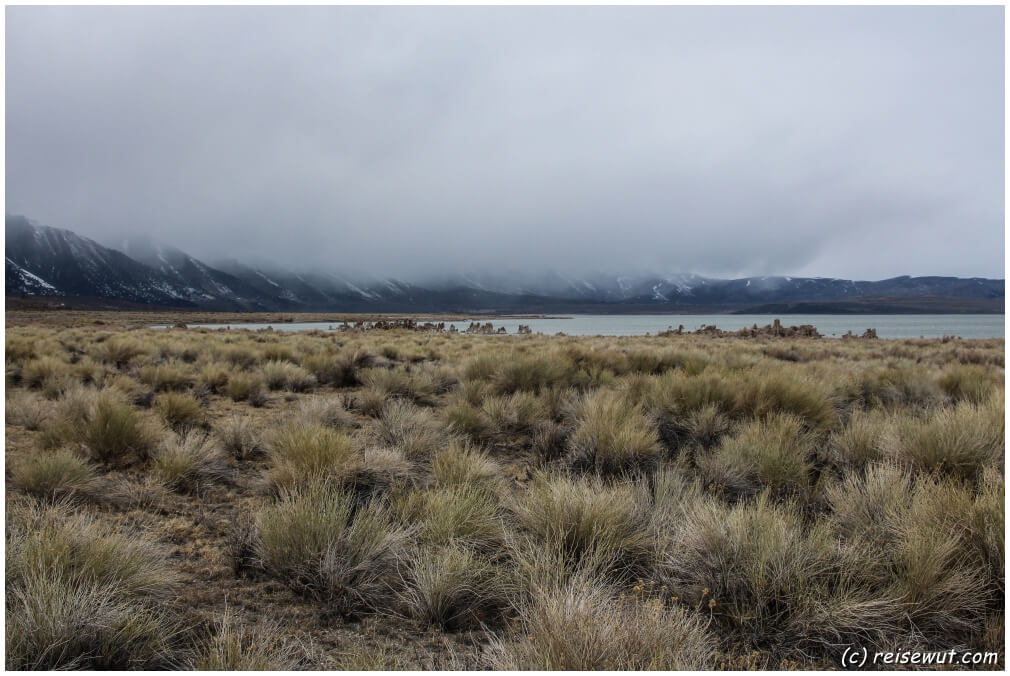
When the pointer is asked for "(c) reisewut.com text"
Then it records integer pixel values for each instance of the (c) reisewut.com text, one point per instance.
(861, 657)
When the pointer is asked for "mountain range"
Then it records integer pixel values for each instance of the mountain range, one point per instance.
(43, 261)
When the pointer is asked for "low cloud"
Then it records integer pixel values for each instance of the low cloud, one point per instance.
(853, 142)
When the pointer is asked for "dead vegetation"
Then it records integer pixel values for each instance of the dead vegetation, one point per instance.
(397, 499)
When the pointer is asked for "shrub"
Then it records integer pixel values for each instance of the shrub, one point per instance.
(452, 587)
(306, 453)
(612, 437)
(581, 626)
(53, 474)
(315, 542)
(189, 462)
(181, 411)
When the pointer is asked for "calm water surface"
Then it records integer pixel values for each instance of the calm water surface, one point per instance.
(887, 326)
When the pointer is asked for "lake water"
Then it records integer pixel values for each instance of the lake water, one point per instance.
(887, 326)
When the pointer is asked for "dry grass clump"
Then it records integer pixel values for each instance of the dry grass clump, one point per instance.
(515, 372)
(37, 372)
(864, 506)
(80, 596)
(460, 464)
(861, 441)
(378, 472)
(766, 392)
(970, 382)
(244, 387)
(119, 351)
(237, 646)
(283, 375)
(959, 440)
(931, 544)
(582, 626)
(59, 474)
(464, 418)
(585, 520)
(317, 543)
(180, 410)
(189, 462)
(239, 436)
(514, 414)
(890, 387)
(750, 393)
(453, 587)
(612, 436)
(397, 383)
(302, 454)
(26, 409)
(774, 452)
(274, 352)
(116, 434)
(749, 566)
(328, 411)
(241, 356)
(466, 514)
(214, 378)
(416, 431)
(338, 369)
(170, 376)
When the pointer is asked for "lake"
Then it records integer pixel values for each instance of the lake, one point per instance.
(887, 326)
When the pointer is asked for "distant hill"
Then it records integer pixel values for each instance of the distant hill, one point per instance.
(50, 262)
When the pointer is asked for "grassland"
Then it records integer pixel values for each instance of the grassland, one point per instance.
(390, 499)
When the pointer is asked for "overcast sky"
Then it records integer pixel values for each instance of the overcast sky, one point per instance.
(857, 142)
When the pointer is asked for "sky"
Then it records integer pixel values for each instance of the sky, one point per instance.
(859, 142)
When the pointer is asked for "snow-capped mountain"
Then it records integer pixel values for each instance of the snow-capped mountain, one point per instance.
(44, 261)
(54, 262)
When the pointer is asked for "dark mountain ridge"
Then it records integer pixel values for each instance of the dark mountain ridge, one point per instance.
(50, 262)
